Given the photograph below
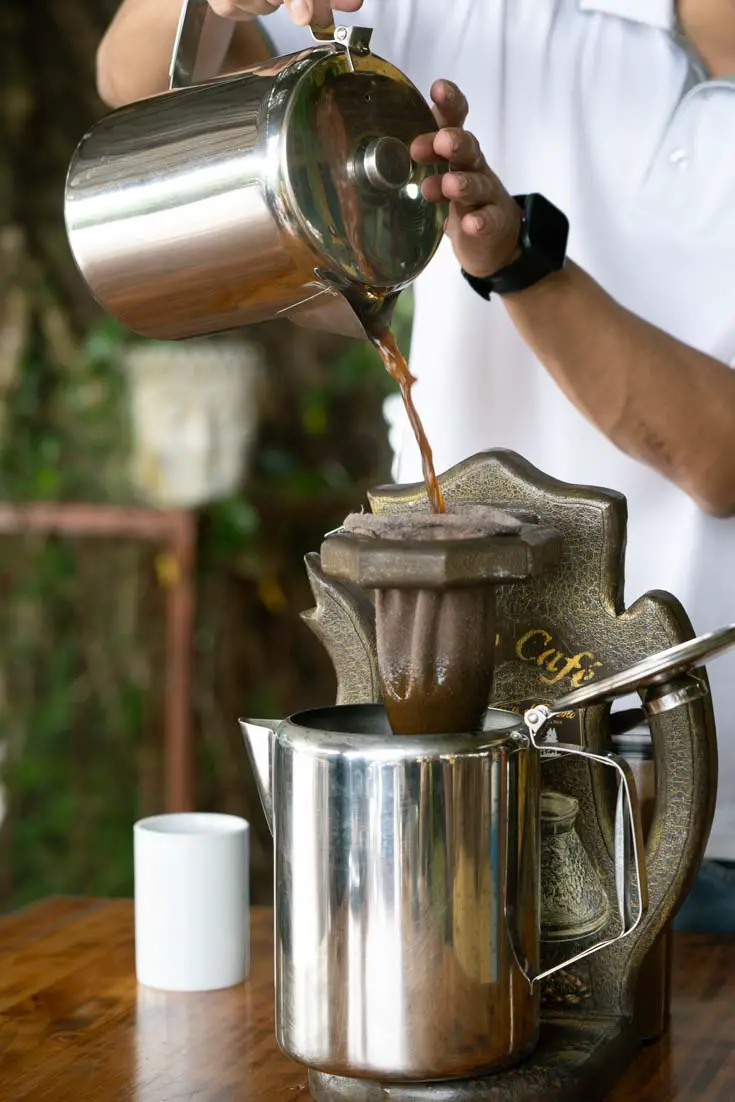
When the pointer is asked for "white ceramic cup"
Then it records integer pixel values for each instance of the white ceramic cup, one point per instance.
(192, 896)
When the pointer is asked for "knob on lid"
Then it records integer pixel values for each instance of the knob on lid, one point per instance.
(386, 164)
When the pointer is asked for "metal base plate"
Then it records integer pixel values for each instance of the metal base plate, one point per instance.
(576, 1060)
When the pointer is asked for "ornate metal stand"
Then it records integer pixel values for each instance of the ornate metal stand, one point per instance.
(556, 632)
(575, 1058)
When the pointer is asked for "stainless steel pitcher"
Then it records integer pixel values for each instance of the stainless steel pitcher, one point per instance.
(407, 890)
(407, 876)
(286, 190)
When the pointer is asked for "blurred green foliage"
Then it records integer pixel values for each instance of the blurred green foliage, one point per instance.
(64, 439)
(81, 630)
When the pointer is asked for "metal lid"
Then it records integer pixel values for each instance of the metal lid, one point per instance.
(661, 668)
(345, 121)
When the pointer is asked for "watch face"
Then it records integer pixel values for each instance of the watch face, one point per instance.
(546, 229)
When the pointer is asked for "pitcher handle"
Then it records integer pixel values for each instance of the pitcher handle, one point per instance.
(199, 29)
(628, 837)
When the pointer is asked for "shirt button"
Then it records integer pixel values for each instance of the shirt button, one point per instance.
(679, 158)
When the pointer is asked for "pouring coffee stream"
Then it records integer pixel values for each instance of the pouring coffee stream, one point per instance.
(397, 367)
(388, 166)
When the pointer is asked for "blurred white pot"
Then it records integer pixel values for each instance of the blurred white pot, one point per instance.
(195, 410)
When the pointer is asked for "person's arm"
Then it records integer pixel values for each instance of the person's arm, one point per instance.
(657, 399)
(134, 56)
(654, 397)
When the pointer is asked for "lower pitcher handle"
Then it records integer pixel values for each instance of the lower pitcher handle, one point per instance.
(628, 838)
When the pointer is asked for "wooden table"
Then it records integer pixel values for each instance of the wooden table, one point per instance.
(74, 1027)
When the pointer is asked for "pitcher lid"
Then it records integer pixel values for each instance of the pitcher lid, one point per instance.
(344, 121)
(657, 670)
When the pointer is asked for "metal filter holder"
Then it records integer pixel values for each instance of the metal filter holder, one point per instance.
(563, 638)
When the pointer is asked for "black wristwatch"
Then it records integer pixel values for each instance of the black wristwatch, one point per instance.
(543, 243)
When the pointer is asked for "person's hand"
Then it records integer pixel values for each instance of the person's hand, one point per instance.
(484, 221)
(303, 12)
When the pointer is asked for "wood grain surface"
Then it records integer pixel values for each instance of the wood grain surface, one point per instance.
(75, 1026)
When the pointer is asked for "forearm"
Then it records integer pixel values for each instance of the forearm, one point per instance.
(657, 399)
(135, 54)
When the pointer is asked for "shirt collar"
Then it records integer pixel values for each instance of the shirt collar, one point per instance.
(656, 13)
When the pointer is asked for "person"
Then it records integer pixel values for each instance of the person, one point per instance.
(614, 367)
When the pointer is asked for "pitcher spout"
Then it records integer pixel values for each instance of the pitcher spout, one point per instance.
(345, 314)
(260, 738)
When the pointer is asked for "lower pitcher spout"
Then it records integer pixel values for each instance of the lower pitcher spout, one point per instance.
(260, 736)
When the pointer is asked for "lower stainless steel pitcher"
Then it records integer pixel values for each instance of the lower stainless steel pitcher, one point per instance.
(407, 889)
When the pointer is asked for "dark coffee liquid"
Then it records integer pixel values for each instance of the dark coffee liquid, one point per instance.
(397, 367)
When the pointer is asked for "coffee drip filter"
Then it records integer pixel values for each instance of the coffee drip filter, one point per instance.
(434, 576)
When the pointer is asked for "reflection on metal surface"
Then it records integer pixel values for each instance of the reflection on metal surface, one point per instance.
(392, 868)
(236, 201)
(408, 866)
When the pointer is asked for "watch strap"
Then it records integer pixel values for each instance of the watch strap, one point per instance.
(527, 269)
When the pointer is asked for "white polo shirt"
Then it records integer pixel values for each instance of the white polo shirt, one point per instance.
(597, 104)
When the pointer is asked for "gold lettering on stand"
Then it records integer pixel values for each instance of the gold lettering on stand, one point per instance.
(537, 646)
